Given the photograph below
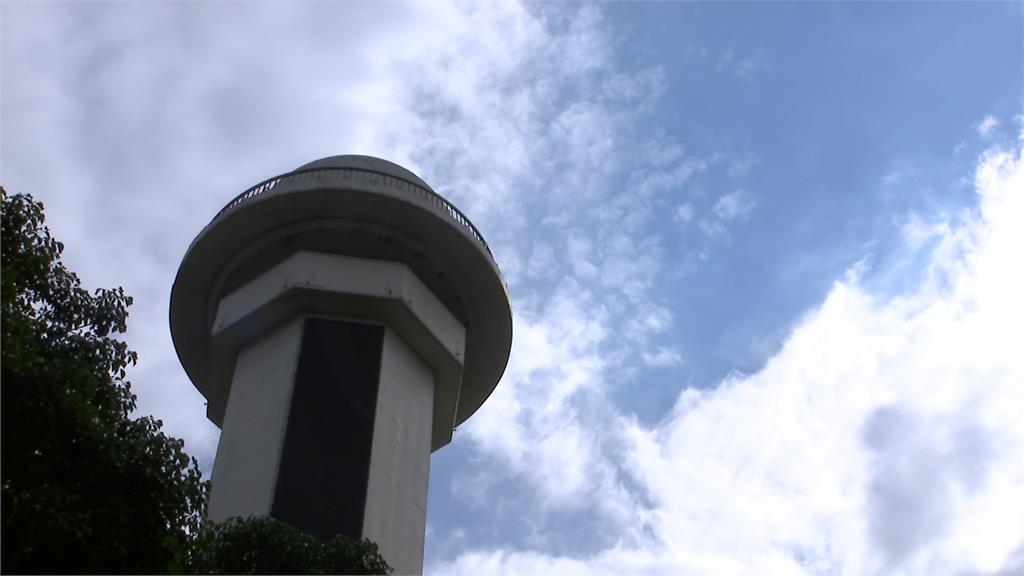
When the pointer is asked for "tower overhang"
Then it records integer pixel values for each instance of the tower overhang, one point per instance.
(341, 320)
(356, 206)
(314, 284)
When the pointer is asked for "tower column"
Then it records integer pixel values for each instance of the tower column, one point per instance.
(344, 367)
(328, 429)
(252, 436)
(396, 498)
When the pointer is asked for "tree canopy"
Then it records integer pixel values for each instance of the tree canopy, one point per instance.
(262, 545)
(86, 487)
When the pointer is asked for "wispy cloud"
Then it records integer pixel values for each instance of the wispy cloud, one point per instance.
(733, 205)
(742, 66)
(729, 207)
(684, 213)
(880, 438)
(987, 125)
(662, 357)
(518, 114)
(523, 116)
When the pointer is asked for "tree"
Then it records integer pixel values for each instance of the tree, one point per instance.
(85, 487)
(261, 545)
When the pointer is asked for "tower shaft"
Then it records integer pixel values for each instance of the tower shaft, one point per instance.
(329, 422)
(328, 429)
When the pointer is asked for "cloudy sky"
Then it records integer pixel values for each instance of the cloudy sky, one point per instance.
(765, 259)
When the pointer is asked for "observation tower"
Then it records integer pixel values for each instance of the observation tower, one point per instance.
(341, 320)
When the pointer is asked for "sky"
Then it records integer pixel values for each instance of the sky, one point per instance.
(764, 259)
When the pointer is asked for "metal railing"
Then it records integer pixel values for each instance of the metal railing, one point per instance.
(326, 175)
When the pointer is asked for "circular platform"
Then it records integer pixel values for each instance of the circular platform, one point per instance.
(355, 206)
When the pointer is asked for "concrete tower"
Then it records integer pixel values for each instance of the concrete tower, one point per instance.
(340, 320)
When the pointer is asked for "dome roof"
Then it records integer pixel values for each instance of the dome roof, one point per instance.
(356, 161)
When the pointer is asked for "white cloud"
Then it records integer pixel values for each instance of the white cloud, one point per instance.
(743, 67)
(734, 205)
(884, 437)
(528, 423)
(684, 213)
(725, 60)
(136, 123)
(987, 125)
(519, 115)
(694, 51)
(916, 231)
(542, 262)
(728, 208)
(543, 151)
(713, 228)
(661, 357)
(514, 112)
(741, 165)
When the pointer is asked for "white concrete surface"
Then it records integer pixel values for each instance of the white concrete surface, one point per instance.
(346, 275)
(396, 499)
(245, 471)
(256, 419)
(352, 206)
(249, 454)
(361, 290)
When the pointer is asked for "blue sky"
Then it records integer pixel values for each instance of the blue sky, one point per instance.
(764, 258)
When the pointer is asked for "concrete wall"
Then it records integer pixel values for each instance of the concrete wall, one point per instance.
(396, 500)
(249, 456)
(359, 290)
(245, 471)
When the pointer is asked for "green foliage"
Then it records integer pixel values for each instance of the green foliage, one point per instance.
(85, 488)
(263, 545)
